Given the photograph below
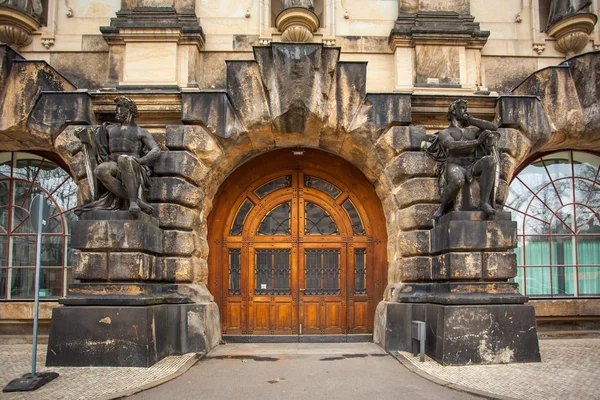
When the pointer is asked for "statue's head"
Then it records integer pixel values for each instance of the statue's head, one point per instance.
(126, 108)
(458, 110)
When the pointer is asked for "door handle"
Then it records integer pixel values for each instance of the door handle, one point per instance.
(302, 290)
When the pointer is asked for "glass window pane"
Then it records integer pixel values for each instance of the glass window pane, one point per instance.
(537, 250)
(276, 222)
(240, 218)
(21, 283)
(317, 221)
(321, 271)
(50, 176)
(4, 192)
(3, 251)
(558, 164)
(52, 251)
(357, 226)
(2, 283)
(564, 188)
(538, 210)
(23, 251)
(26, 166)
(520, 279)
(585, 165)
(272, 272)
(588, 249)
(284, 181)
(538, 281)
(563, 250)
(20, 193)
(594, 200)
(5, 165)
(518, 195)
(563, 281)
(589, 281)
(51, 282)
(534, 176)
(320, 184)
(360, 271)
(66, 195)
(68, 250)
(582, 190)
(234, 272)
(563, 221)
(534, 226)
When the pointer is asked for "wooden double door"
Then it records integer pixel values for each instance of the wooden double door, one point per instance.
(296, 255)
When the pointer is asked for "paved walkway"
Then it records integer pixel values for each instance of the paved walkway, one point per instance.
(300, 371)
(351, 371)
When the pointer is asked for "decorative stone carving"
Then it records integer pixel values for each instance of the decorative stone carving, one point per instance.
(539, 48)
(119, 156)
(297, 24)
(572, 33)
(17, 23)
(463, 152)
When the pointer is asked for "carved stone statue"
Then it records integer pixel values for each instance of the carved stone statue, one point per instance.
(560, 9)
(463, 150)
(30, 7)
(285, 4)
(119, 154)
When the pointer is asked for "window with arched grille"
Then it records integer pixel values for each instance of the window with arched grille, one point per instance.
(22, 177)
(556, 203)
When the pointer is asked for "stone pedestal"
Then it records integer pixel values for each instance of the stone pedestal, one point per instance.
(472, 313)
(130, 336)
(127, 311)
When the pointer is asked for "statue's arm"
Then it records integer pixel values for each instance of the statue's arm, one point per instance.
(450, 143)
(482, 124)
(153, 149)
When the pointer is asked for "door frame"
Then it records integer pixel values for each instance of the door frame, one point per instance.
(271, 165)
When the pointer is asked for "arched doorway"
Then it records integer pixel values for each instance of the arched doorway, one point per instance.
(297, 247)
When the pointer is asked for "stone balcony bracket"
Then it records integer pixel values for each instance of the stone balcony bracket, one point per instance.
(572, 33)
(297, 24)
(16, 27)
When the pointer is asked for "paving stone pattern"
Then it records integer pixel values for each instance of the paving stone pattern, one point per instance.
(569, 370)
(79, 383)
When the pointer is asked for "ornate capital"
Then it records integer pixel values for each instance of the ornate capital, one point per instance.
(572, 33)
(16, 27)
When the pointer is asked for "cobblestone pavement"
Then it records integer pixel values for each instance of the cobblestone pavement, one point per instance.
(569, 370)
(83, 382)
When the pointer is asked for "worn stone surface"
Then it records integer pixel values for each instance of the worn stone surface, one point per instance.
(86, 70)
(414, 269)
(499, 265)
(176, 269)
(182, 164)
(176, 190)
(297, 80)
(454, 234)
(194, 139)
(586, 77)
(130, 336)
(417, 216)
(413, 243)
(503, 74)
(417, 190)
(131, 266)
(175, 216)
(557, 91)
(89, 265)
(457, 266)
(437, 65)
(410, 164)
(214, 111)
(128, 235)
(180, 243)
(479, 334)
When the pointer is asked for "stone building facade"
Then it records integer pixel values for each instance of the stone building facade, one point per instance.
(344, 92)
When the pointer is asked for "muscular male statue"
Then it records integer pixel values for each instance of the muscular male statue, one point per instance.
(122, 152)
(463, 150)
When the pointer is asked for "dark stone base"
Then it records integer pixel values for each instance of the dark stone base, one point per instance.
(465, 334)
(112, 336)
